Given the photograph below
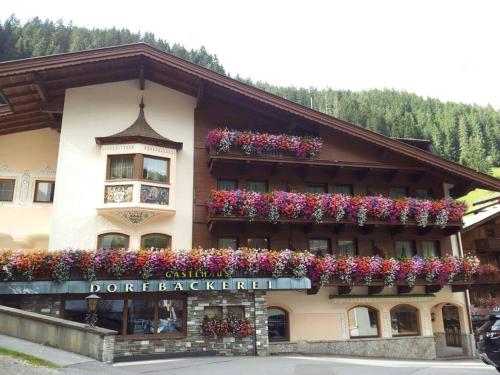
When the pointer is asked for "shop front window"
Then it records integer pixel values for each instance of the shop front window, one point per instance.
(277, 324)
(152, 316)
(404, 321)
(363, 322)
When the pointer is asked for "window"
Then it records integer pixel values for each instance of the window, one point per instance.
(238, 311)
(138, 167)
(430, 248)
(319, 246)
(227, 242)
(363, 322)
(212, 312)
(44, 191)
(348, 247)
(398, 192)
(134, 316)
(120, 167)
(423, 193)
(155, 169)
(277, 324)
(109, 312)
(258, 243)
(343, 189)
(404, 249)
(404, 321)
(227, 185)
(7, 190)
(257, 186)
(156, 240)
(113, 241)
(316, 188)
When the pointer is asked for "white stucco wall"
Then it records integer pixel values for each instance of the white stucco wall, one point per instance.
(103, 110)
(27, 157)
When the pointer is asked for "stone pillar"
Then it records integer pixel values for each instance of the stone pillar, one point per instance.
(260, 314)
(426, 322)
(344, 326)
(386, 323)
(108, 349)
(469, 345)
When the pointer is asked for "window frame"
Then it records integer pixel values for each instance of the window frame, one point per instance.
(139, 296)
(37, 182)
(413, 248)
(317, 185)
(235, 181)
(328, 240)
(287, 324)
(268, 239)
(377, 321)
(13, 180)
(437, 244)
(406, 194)
(265, 181)
(356, 250)
(227, 237)
(350, 186)
(417, 313)
(138, 166)
(112, 233)
(154, 234)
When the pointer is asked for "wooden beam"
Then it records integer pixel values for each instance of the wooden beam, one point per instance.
(52, 107)
(333, 172)
(41, 90)
(362, 174)
(391, 176)
(423, 231)
(366, 229)
(396, 229)
(18, 129)
(337, 228)
(142, 79)
(459, 288)
(200, 96)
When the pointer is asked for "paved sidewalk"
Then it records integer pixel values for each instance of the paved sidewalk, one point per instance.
(72, 363)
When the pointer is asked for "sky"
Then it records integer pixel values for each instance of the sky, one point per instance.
(443, 49)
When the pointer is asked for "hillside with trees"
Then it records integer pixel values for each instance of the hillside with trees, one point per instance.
(468, 134)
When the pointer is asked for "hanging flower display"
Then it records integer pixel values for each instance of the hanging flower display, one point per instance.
(60, 266)
(318, 207)
(255, 143)
(229, 326)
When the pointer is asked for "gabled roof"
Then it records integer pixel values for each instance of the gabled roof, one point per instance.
(139, 132)
(477, 219)
(35, 87)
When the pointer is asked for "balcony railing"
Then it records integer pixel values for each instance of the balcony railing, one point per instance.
(265, 144)
(488, 244)
(281, 206)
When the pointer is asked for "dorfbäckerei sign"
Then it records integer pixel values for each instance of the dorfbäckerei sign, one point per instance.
(150, 286)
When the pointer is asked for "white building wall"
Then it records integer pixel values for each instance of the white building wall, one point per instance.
(103, 110)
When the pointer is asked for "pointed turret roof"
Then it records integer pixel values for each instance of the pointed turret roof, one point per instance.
(139, 132)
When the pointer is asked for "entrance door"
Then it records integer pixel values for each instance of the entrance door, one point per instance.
(452, 329)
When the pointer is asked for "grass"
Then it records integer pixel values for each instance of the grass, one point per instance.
(27, 358)
(478, 194)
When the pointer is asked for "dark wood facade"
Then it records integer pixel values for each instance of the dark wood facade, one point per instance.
(344, 160)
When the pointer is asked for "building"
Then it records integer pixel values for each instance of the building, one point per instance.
(481, 236)
(107, 148)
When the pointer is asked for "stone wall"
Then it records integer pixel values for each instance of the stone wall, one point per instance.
(195, 343)
(97, 343)
(418, 347)
(39, 303)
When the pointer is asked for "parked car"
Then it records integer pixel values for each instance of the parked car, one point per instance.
(488, 343)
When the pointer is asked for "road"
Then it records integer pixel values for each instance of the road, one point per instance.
(303, 365)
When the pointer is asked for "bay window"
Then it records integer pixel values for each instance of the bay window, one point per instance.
(138, 167)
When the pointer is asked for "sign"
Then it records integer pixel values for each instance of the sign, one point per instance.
(150, 286)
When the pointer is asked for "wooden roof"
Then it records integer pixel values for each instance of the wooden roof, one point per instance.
(34, 89)
(139, 132)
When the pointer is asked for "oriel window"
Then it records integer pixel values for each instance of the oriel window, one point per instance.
(121, 167)
(155, 169)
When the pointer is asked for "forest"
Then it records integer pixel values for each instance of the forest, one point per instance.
(465, 133)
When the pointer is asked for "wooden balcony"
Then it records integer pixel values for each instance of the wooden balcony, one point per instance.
(488, 245)
(275, 161)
